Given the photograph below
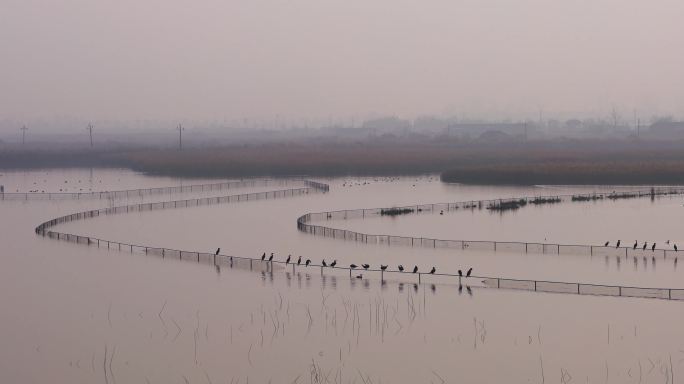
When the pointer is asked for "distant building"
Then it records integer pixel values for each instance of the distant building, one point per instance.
(495, 137)
(478, 129)
(386, 125)
(573, 124)
(667, 130)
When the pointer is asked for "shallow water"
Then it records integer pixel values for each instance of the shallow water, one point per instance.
(77, 314)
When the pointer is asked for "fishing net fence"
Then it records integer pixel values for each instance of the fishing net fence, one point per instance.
(305, 224)
(142, 192)
(261, 264)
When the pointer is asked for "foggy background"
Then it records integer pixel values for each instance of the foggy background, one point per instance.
(255, 63)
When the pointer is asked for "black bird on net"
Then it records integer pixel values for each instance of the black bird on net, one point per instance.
(270, 258)
(308, 261)
(401, 268)
(415, 269)
(324, 263)
(288, 259)
(299, 260)
(365, 266)
(263, 256)
(217, 251)
(470, 270)
(618, 244)
(653, 247)
(433, 270)
(334, 263)
(383, 267)
(353, 266)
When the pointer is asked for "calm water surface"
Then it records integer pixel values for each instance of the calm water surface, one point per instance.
(77, 314)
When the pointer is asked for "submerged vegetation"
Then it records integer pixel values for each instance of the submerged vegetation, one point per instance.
(395, 211)
(507, 205)
(592, 197)
(545, 200)
(627, 195)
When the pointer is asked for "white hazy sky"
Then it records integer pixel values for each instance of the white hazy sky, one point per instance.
(210, 59)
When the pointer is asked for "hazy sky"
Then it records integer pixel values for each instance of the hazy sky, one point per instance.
(172, 59)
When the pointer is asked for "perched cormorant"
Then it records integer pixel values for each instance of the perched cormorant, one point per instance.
(433, 270)
(470, 270)
(401, 268)
(415, 269)
(217, 251)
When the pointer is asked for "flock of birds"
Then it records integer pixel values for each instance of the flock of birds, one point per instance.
(391, 179)
(63, 189)
(636, 245)
(333, 264)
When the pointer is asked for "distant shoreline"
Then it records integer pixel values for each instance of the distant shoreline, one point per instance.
(529, 163)
(650, 173)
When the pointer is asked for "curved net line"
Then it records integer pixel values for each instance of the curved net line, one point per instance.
(44, 229)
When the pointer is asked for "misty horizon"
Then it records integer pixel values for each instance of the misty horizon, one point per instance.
(304, 61)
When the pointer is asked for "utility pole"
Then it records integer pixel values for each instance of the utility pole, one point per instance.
(180, 137)
(23, 134)
(635, 117)
(541, 112)
(89, 128)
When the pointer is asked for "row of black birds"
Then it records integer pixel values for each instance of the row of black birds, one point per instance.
(383, 268)
(636, 245)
